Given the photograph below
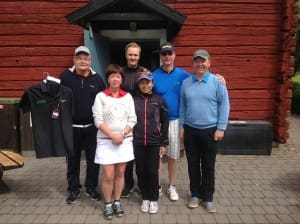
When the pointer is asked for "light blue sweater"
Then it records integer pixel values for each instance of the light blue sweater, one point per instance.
(204, 103)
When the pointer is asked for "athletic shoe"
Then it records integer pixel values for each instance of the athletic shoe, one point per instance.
(210, 207)
(93, 194)
(145, 206)
(108, 211)
(194, 202)
(153, 207)
(160, 192)
(71, 199)
(126, 192)
(172, 193)
(118, 209)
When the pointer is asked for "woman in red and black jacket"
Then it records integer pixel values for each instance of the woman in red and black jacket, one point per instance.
(150, 138)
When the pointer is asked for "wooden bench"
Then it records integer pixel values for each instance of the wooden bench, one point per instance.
(8, 160)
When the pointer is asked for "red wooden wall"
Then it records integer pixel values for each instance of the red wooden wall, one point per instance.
(251, 43)
(35, 37)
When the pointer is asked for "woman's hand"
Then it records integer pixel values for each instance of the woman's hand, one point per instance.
(117, 138)
(162, 151)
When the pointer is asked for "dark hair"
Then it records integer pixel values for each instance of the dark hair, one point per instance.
(114, 68)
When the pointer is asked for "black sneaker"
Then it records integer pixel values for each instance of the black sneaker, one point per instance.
(73, 196)
(93, 194)
(118, 209)
(126, 192)
(108, 211)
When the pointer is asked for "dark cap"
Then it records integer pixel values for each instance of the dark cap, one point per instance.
(202, 54)
(167, 46)
(82, 49)
(145, 75)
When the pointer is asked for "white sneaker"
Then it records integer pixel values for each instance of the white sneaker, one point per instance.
(160, 192)
(173, 195)
(145, 206)
(153, 208)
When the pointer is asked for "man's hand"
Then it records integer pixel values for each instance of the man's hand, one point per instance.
(218, 136)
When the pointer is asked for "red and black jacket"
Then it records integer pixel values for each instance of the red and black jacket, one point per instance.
(152, 120)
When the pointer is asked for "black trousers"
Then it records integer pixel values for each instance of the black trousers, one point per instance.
(201, 149)
(84, 139)
(129, 181)
(147, 164)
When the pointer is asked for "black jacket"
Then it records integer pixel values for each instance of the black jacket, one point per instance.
(152, 120)
(84, 91)
(51, 107)
(131, 74)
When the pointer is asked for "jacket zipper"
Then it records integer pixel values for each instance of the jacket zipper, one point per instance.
(145, 121)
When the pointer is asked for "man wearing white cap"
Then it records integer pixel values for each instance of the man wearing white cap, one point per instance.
(204, 111)
(85, 84)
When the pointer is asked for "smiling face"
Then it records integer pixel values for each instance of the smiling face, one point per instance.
(145, 86)
(114, 80)
(132, 56)
(167, 58)
(82, 62)
(201, 65)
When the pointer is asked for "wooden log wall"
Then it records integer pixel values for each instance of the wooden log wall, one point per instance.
(252, 43)
(35, 37)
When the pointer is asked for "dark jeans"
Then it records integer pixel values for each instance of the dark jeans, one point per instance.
(84, 139)
(129, 181)
(147, 164)
(201, 149)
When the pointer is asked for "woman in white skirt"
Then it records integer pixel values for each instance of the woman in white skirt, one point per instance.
(114, 115)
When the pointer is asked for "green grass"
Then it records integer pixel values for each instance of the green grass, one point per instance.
(296, 78)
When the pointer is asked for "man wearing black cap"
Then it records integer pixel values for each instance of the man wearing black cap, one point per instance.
(168, 79)
(85, 84)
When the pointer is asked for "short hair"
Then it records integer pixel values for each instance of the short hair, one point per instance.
(114, 68)
(133, 44)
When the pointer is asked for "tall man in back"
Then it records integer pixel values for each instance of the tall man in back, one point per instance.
(85, 84)
(131, 71)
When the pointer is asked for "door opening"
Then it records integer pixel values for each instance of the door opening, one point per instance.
(149, 55)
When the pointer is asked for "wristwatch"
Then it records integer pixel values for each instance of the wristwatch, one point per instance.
(124, 134)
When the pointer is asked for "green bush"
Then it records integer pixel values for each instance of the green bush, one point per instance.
(296, 94)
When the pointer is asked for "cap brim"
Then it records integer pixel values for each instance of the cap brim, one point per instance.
(200, 56)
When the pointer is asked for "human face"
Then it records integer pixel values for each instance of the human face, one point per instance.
(167, 58)
(114, 80)
(201, 65)
(145, 86)
(132, 56)
(82, 62)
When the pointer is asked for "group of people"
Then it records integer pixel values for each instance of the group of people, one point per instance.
(137, 118)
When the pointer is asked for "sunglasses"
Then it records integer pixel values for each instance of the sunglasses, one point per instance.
(170, 53)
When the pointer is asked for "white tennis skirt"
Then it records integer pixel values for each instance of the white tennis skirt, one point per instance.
(108, 153)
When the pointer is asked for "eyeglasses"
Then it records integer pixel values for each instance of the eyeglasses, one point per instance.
(170, 53)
